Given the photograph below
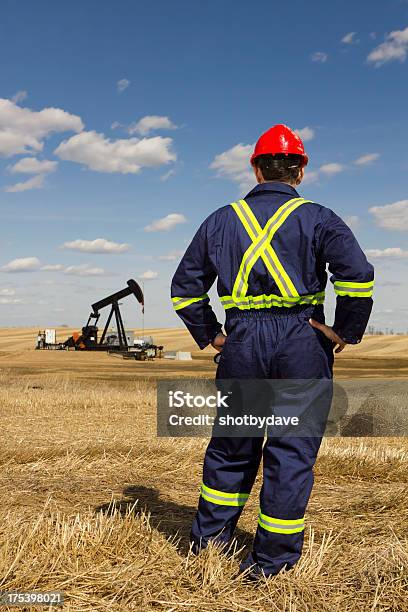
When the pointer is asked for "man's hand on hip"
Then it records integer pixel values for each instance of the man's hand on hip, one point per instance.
(330, 334)
(218, 342)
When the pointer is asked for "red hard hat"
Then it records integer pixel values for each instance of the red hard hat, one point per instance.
(280, 139)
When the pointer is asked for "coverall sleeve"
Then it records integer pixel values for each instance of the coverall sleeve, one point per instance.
(352, 276)
(193, 278)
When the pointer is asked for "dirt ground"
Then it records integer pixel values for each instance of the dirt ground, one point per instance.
(93, 504)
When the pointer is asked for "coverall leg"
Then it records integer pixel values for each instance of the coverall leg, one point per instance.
(272, 344)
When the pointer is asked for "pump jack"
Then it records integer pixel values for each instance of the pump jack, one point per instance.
(88, 339)
(119, 341)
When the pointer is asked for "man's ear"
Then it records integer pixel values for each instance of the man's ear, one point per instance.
(301, 175)
(258, 174)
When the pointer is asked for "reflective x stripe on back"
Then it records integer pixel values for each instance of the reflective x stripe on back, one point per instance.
(261, 247)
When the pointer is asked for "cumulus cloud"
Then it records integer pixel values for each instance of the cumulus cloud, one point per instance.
(116, 125)
(306, 133)
(122, 85)
(367, 159)
(99, 245)
(234, 165)
(23, 130)
(31, 165)
(311, 176)
(126, 156)
(352, 221)
(5, 301)
(52, 267)
(166, 223)
(392, 216)
(165, 177)
(349, 38)
(331, 169)
(19, 96)
(37, 182)
(6, 291)
(84, 270)
(172, 256)
(389, 253)
(319, 57)
(148, 275)
(395, 48)
(150, 123)
(23, 264)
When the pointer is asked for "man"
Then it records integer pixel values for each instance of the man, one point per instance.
(270, 253)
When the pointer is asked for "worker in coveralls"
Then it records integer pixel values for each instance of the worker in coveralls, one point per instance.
(269, 253)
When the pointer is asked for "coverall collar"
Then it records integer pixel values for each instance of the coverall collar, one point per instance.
(273, 186)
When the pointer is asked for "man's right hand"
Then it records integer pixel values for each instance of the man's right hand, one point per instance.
(218, 342)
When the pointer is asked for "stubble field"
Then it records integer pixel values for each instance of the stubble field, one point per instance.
(94, 505)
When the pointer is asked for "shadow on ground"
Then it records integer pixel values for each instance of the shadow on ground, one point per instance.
(171, 519)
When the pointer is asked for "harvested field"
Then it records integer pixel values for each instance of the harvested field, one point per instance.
(93, 504)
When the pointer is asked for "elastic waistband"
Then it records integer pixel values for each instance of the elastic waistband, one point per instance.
(275, 311)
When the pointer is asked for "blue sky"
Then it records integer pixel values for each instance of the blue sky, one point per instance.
(121, 116)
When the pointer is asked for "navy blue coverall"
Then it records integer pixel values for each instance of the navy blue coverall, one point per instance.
(269, 254)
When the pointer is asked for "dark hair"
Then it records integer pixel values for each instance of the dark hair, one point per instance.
(284, 168)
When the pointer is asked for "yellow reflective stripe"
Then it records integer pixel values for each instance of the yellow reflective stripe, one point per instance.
(223, 499)
(353, 288)
(284, 526)
(354, 284)
(354, 293)
(261, 247)
(182, 302)
(237, 206)
(268, 301)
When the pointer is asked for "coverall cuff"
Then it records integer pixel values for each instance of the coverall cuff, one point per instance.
(204, 335)
(347, 337)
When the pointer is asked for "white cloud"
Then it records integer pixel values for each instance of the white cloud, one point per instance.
(352, 221)
(166, 223)
(37, 182)
(127, 156)
(31, 165)
(306, 133)
(367, 159)
(53, 267)
(319, 56)
(85, 270)
(349, 38)
(165, 177)
(328, 170)
(311, 176)
(122, 85)
(331, 169)
(395, 48)
(148, 275)
(19, 96)
(149, 123)
(390, 253)
(172, 256)
(7, 291)
(392, 216)
(116, 125)
(4, 301)
(23, 264)
(23, 130)
(99, 245)
(234, 164)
